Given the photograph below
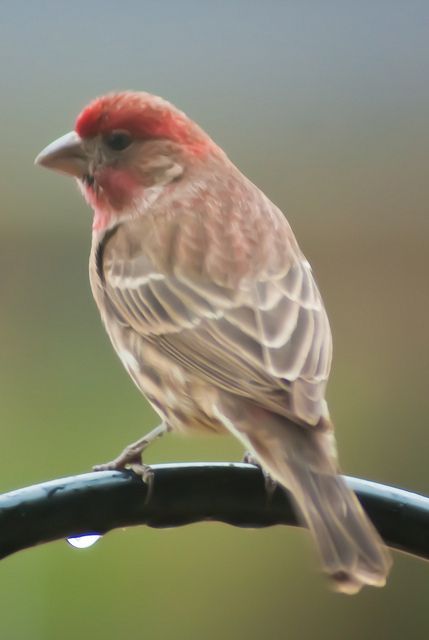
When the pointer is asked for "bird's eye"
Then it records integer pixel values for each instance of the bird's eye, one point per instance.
(118, 140)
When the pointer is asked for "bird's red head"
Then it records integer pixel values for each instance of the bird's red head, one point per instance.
(128, 148)
(144, 116)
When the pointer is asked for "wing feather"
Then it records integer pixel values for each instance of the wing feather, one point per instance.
(265, 337)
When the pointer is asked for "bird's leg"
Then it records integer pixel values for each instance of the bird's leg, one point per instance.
(269, 482)
(131, 456)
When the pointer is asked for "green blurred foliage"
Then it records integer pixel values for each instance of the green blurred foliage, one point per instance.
(324, 105)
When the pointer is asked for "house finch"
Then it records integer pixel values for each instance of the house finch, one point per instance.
(213, 309)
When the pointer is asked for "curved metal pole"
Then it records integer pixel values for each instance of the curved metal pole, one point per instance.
(186, 493)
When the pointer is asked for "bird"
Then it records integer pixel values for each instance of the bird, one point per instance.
(213, 310)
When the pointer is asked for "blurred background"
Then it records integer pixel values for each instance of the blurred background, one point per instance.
(325, 106)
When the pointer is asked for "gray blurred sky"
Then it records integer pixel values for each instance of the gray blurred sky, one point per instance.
(299, 93)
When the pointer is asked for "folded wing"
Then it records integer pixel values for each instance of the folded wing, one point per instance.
(266, 337)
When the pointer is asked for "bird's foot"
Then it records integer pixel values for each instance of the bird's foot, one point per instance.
(131, 458)
(269, 482)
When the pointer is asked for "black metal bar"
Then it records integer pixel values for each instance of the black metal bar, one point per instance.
(186, 493)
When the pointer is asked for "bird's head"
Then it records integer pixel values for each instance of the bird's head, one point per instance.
(126, 148)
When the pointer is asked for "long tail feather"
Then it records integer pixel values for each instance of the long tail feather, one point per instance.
(303, 459)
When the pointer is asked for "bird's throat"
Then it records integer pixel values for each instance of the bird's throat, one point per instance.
(111, 194)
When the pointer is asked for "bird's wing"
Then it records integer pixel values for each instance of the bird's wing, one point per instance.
(266, 337)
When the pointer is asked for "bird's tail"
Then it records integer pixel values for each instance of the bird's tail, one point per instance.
(303, 459)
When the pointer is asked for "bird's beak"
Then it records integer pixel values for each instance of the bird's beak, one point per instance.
(65, 155)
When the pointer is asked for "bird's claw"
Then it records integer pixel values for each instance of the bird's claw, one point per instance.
(145, 471)
(129, 456)
(134, 462)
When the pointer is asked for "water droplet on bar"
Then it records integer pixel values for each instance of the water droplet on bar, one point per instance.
(85, 541)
